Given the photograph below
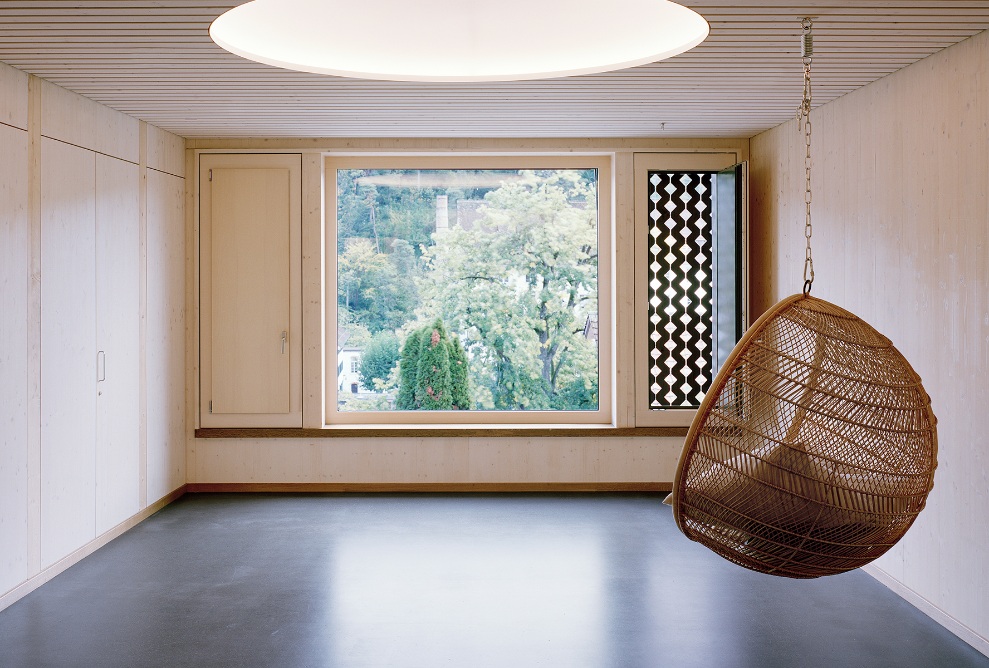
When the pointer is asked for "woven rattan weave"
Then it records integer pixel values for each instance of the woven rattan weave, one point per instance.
(813, 451)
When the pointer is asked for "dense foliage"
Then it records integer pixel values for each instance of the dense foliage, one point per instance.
(409, 371)
(515, 283)
(433, 373)
(378, 359)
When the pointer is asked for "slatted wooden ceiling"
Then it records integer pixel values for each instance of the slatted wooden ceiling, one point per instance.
(153, 59)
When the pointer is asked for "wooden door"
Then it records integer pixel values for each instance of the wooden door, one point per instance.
(15, 268)
(251, 218)
(118, 277)
(68, 349)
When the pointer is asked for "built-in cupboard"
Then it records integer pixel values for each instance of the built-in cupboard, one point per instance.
(90, 356)
(250, 290)
(93, 356)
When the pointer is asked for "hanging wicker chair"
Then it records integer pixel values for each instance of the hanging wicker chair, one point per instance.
(814, 449)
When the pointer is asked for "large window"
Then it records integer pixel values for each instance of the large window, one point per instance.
(548, 290)
(469, 290)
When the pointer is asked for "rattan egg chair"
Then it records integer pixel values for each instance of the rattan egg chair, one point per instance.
(814, 449)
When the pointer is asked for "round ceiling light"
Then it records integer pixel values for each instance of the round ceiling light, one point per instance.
(458, 40)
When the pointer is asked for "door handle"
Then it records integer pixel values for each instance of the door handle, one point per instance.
(100, 366)
(284, 341)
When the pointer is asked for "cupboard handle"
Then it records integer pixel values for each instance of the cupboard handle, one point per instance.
(100, 366)
(284, 341)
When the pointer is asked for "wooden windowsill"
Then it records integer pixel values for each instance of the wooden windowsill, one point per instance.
(442, 432)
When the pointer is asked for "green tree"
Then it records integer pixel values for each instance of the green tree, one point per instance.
(378, 358)
(354, 203)
(459, 375)
(369, 289)
(519, 287)
(433, 371)
(434, 385)
(408, 367)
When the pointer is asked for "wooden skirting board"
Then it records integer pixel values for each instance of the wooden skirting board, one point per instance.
(442, 432)
(428, 487)
(930, 609)
(35, 581)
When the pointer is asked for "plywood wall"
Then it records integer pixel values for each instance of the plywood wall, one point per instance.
(457, 460)
(436, 460)
(79, 237)
(901, 238)
(166, 330)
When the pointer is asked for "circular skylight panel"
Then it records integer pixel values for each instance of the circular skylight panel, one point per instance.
(458, 40)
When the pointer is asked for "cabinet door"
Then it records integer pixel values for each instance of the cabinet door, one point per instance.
(14, 272)
(250, 304)
(68, 349)
(118, 279)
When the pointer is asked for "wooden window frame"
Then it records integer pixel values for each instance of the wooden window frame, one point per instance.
(624, 409)
(604, 415)
(643, 163)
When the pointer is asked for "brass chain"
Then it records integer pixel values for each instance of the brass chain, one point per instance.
(803, 116)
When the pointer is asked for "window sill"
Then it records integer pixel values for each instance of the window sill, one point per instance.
(442, 432)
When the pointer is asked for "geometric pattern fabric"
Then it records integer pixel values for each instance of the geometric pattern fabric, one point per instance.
(680, 267)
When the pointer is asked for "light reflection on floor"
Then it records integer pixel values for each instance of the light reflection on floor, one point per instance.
(469, 581)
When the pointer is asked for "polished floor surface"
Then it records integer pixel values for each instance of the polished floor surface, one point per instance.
(561, 581)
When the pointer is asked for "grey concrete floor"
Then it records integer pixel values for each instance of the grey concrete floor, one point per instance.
(562, 581)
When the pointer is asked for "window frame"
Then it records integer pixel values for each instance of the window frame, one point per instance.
(643, 163)
(604, 416)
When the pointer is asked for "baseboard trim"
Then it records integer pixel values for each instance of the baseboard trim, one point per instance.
(427, 487)
(937, 614)
(66, 562)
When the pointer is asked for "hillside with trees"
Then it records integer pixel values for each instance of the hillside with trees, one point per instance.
(495, 287)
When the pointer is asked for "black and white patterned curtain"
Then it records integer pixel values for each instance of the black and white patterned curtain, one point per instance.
(680, 272)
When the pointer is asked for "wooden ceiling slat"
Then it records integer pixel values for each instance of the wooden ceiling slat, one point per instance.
(154, 60)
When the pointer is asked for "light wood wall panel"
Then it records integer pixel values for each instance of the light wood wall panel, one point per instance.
(166, 334)
(118, 274)
(14, 263)
(77, 120)
(313, 292)
(166, 152)
(460, 460)
(901, 237)
(68, 354)
(436, 460)
(13, 97)
(71, 271)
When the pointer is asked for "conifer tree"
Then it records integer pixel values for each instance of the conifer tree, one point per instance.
(433, 382)
(408, 372)
(459, 375)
